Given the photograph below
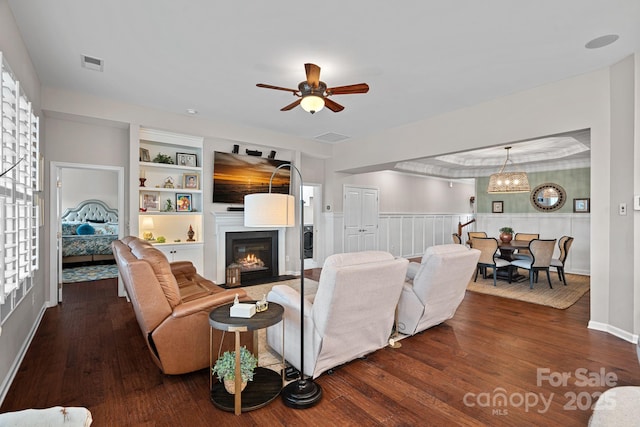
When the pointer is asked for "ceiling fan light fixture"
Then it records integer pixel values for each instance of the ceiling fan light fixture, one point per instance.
(312, 103)
(508, 182)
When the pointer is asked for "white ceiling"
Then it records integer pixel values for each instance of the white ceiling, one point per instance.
(420, 58)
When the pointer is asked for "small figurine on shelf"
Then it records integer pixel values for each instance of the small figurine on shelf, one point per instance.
(168, 183)
(168, 206)
(190, 234)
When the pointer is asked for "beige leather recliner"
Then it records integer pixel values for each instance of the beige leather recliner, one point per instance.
(435, 287)
(352, 313)
(172, 303)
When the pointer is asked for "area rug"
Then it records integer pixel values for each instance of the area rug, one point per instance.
(89, 273)
(560, 296)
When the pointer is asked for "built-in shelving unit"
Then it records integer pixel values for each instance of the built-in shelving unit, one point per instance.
(170, 194)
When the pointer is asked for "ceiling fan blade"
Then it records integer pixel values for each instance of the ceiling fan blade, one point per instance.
(292, 105)
(277, 88)
(332, 105)
(349, 89)
(313, 74)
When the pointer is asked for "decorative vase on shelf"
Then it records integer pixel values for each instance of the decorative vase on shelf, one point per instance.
(190, 234)
(225, 368)
(230, 386)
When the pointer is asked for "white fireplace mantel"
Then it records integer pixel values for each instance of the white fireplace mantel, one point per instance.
(229, 222)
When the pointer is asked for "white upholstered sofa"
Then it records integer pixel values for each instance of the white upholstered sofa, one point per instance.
(48, 417)
(352, 313)
(435, 287)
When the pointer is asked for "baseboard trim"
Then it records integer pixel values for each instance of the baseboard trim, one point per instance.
(13, 371)
(613, 330)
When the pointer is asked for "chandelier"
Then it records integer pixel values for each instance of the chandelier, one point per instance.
(508, 182)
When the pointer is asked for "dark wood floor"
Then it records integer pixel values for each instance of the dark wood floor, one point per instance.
(89, 352)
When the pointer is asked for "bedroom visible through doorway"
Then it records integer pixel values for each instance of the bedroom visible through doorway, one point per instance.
(89, 205)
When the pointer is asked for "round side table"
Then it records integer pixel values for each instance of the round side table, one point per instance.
(266, 384)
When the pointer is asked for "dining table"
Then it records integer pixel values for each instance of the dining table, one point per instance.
(507, 249)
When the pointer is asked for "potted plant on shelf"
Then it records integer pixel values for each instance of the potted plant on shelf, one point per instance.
(506, 234)
(225, 368)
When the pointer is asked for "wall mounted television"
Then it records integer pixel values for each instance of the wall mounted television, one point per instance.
(236, 175)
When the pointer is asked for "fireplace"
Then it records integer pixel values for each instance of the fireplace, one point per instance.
(255, 253)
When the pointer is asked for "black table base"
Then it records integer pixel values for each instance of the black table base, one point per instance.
(503, 274)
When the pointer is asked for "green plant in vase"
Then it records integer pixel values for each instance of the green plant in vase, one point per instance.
(506, 234)
(163, 158)
(225, 368)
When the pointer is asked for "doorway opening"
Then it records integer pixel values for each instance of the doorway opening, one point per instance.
(75, 190)
(312, 196)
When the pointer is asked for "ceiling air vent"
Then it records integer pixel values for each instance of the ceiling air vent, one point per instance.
(92, 63)
(331, 137)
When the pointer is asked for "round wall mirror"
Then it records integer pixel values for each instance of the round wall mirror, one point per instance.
(548, 197)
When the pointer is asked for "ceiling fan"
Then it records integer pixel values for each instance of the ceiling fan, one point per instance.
(314, 94)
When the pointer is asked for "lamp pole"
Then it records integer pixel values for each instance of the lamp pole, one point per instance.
(304, 392)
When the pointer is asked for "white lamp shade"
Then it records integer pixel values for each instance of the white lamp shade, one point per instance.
(147, 223)
(269, 210)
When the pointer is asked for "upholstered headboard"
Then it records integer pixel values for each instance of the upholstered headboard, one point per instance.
(91, 210)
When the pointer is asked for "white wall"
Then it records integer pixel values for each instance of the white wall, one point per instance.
(621, 307)
(80, 185)
(409, 193)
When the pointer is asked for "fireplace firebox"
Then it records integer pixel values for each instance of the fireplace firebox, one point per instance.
(254, 252)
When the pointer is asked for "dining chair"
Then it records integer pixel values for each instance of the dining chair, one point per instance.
(563, 244)
(475, 234)
(527, 237)
(488, 247)
(541, 253)
(456, 238)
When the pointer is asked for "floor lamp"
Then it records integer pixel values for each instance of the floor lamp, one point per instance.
(277, 210)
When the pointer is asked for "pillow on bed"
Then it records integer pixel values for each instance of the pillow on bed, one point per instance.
(105, 228)
(69, 228)
(85, 229)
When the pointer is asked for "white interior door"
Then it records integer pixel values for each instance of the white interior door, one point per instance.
(361, 205)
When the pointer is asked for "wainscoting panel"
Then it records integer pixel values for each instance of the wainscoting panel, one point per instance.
(549, 226)
(409, 235)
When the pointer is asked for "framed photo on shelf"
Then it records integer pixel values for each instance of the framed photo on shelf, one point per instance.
(497, 207)
(190, 181)
(183, 202)
(581, 205)
(150, 201)
(144, 155)
(186, 159)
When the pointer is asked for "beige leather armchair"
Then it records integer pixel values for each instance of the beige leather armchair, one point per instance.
(435, 287)
(352, 313)
(172, 303)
